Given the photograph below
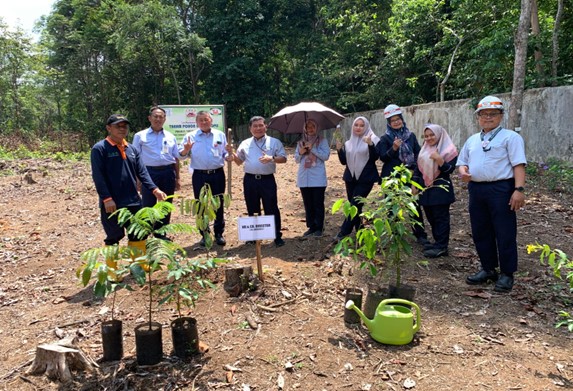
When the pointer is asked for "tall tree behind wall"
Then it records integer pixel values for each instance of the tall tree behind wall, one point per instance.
(519, 64)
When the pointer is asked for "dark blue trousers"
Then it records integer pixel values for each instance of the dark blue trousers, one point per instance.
(355, 189)
(164, 179)
(215, 179)
(313, 200)
(494, 224)
(439, 218)
(113, 231)
(262, 188)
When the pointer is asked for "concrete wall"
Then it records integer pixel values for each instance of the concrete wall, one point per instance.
(546, 125)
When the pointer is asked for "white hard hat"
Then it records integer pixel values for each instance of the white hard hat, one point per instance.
(392, 110)
(489, 102)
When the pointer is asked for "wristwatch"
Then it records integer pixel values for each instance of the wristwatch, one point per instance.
(521, 189)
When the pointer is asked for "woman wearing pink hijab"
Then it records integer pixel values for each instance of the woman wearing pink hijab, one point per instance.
(436, 161)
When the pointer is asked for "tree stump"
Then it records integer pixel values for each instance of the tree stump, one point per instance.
(238, 279)
(57, 361)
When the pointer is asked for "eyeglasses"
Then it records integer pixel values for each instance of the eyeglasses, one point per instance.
(393, 121)
(488, 115)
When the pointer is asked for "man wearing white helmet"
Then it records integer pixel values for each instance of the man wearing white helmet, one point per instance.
(492, 162)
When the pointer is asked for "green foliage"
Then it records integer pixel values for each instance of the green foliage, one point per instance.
(555, 174)
(204, 209)
(561, 267)
(186, 279)
(390, 213)
(158, 252)
(98, 57)
(101, 264)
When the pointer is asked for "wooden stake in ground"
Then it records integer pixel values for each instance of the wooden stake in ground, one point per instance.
(259, 261)
(229, 165)
(57, 360)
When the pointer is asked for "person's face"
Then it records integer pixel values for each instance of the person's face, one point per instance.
(118, 132)
(310, 128)
(489, 119)
(157, 119)
(396, 122)
(204, 121)
(359, 127)
(258, 128)
(430, 138)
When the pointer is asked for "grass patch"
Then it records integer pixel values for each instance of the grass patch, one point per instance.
(555, 175)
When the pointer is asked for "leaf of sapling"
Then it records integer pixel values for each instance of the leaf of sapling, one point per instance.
(337, 205)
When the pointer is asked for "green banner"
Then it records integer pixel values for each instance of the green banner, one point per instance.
(181, 119)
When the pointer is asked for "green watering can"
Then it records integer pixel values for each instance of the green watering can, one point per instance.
(393, 324)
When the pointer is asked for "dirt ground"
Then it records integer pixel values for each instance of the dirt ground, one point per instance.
(470, 339)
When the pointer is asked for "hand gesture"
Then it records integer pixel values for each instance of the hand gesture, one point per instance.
(367, 139)
(465, 176)
(187, 146)
(397, 143)
(435, 155)
(265, 158)
(229, 148)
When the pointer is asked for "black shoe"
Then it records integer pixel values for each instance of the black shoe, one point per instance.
(317, 234)
(436, 252)
(308, 233)
(250, 242)
(279, 242)
(429, 246)
(481, 277)
(339, 236)
(163, 237)
(422, 240)
(220, 240)
(202, 242)
(504, 284)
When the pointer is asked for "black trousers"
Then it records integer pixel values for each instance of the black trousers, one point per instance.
(215, 179)
(164, 179)
(355, 189)
(313, 200)
(113, 231)
(439, 218)
(262, 188)
(494, 224)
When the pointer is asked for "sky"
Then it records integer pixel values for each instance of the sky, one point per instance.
(24, 12)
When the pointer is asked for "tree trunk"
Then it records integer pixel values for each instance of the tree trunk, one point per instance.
(555, 39)
(519, 65)
(536, 31)
(58, 359)
(450, 65)
(237, 279)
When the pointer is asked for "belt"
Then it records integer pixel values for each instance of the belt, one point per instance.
(158, 168)
(258, 176)
(209, 171)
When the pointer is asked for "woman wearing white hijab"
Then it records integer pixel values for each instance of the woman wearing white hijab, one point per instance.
(436, 161)
(359, 154)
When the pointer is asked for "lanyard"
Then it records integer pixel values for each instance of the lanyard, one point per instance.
(485, 143)
(262, 145)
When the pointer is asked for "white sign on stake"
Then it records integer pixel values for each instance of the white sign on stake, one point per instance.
(256, 228)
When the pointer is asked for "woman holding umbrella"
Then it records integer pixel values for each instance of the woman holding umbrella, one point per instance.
(311, 153)
(359, 155)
